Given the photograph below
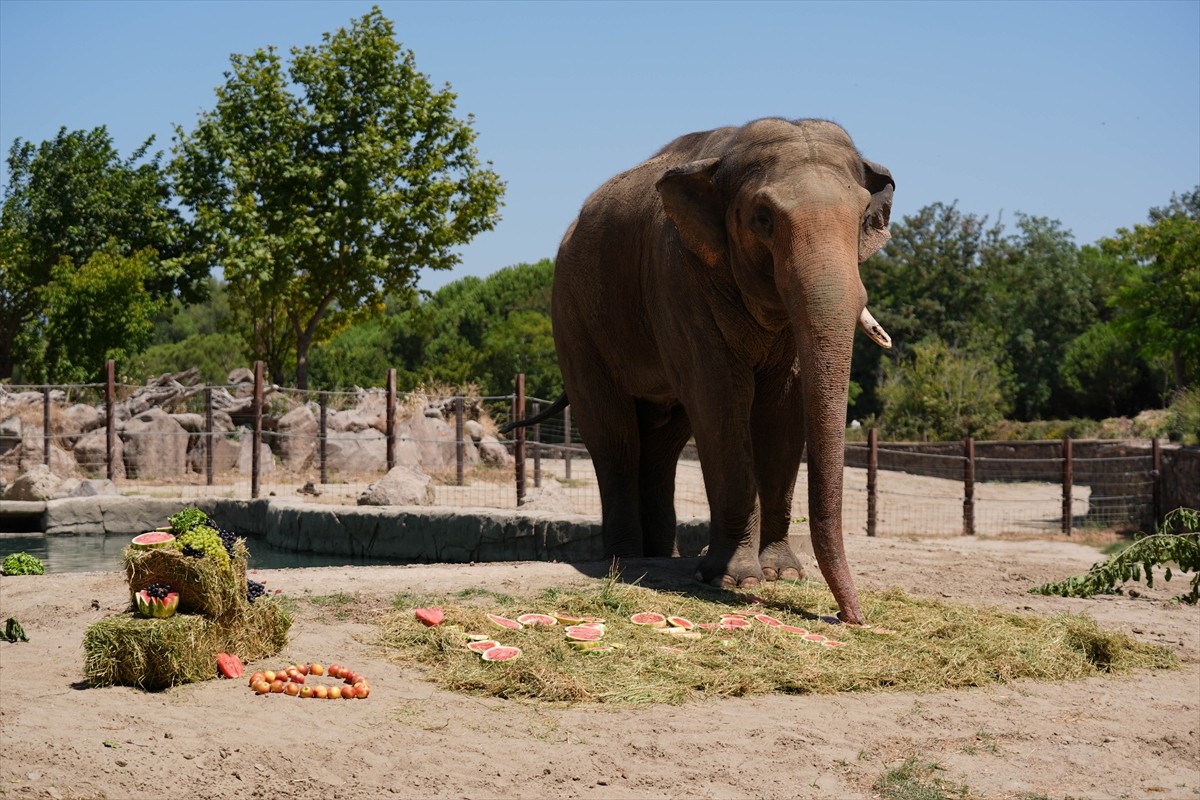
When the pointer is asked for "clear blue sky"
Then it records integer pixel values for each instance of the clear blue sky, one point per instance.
(1085, 112)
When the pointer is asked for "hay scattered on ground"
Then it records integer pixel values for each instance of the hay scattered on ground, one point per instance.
(937, 646)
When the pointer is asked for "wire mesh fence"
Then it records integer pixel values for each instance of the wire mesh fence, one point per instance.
(172, 439)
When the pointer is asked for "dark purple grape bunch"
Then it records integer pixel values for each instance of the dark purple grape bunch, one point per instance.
(254, 590)
(158, 590)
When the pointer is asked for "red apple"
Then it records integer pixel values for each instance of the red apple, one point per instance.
(276, 686)
(335, 693)
(320, 692)
(302, 669)
(261, 687)
(361, 691)
(316, 669)
(256, 677)
(307, 692)
(297, 677)
(291, 688)
(269, 676)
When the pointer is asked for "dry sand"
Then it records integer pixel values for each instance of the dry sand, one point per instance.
(1134, 736)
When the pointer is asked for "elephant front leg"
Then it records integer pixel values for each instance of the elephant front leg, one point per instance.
(777, 426)
(732, 559)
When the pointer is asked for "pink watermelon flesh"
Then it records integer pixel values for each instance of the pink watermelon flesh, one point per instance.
(483, 645)
(501, 653)
(734, 622)
(584, 633)
(537, 619)
(430, 616)
(768, 620)
(680, 622)
(152, 539)
(652, 618)
(832, 643)
(158, 608)
(794, 629)
(505, 622)
(813, 637)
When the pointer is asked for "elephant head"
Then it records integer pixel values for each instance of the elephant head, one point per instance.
(786, 212)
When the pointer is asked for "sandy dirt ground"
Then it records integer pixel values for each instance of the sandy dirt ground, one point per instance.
(1134, 736)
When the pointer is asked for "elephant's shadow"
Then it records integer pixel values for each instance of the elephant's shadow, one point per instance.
(679, 575)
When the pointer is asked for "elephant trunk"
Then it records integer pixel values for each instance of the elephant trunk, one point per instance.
(825, 299)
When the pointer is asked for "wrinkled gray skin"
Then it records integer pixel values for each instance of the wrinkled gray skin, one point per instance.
(713, 291)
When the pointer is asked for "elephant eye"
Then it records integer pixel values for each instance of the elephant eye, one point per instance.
(762, 223)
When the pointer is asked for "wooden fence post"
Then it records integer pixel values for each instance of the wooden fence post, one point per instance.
(1156, 481)
(323, 437)
(872, 474)
(518, 414)
(208, 436)
(460, 454)
(969, 486)
(1067, 480)
(256, 442)
(110, 418)
(46, 425)
(567, 444)
(391, 418)
(537, 448)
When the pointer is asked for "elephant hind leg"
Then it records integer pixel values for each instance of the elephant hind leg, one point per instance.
(610, 430)
(664, 432)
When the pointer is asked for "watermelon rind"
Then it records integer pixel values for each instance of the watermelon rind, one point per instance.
(567, 619)
(583, 633)
(680, 622)
(151, 539)
(537, 619)
(155, 607)
(816, 638)
(587, 644)
(768, 620)
(501, 653)
(483, 645)
(649, 618)
(504, 622)
(794, 629)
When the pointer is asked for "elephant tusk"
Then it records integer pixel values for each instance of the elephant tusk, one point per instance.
(873, 329)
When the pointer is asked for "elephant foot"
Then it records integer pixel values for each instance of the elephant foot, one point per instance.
(737, 571)
(779, 563)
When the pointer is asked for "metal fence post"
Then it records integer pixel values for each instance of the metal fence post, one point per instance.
(323, 438)
(391, 418)
(1067, 480)
(110, 418)
(969, 486)
(537, 448)
(256, 442)
(519, 445)
(1156, 481)
(567, 444)
(872, 474)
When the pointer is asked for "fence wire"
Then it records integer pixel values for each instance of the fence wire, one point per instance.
(332, 447)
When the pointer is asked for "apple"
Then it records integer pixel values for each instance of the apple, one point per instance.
(297, 677)
(261, 687)
(316, 669)
(361, 691)
(291, 688)
(256, 677)
(320, 692)
(306, 692)
(335, 670)
(350, 677)
(335, 693)
(302, 669)
(276, 686)
(269, 676)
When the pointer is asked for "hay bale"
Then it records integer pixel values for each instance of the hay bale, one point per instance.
(204, 586)
(151, 654)
(154, 654)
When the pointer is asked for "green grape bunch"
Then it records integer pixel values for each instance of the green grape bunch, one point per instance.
(203, 541)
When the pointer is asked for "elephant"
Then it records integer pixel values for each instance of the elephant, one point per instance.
(713, 292)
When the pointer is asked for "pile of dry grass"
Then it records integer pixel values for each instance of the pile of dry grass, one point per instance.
(936, 646)
(214, 616)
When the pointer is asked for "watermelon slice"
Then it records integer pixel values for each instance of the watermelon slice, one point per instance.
(152, 539)
(430, 616)
(504, 622)
(483, 645)
(650, 618)
(832, 643)
(584, 633)
(768, 620)
(501, 653)
(157, 607)
(734, 623)
(601, 650)
(586, 645)
(816, 638)
(680, 622)
(537, 619)
(794, 629)
(567, 619)
(230, 666)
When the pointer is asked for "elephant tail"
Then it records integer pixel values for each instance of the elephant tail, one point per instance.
(555, 407)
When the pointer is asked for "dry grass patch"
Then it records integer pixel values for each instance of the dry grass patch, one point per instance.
(937, 646)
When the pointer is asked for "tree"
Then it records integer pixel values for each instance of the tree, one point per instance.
(1158, 306)
(68, 199)
(323, 188)
(943, 393)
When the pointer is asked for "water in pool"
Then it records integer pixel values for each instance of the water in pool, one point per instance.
(103, 553)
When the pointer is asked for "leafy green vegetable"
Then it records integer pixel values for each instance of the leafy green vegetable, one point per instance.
(1161, 549)
(13, 631)
(23, 564)
(186, 519)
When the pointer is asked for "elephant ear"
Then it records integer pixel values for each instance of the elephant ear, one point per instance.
(693, 203)
(875, 233)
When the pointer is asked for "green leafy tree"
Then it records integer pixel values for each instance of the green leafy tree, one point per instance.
(943, 393)
(929, 280)
(1159, 303)
(68, 199)
(325, 187)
